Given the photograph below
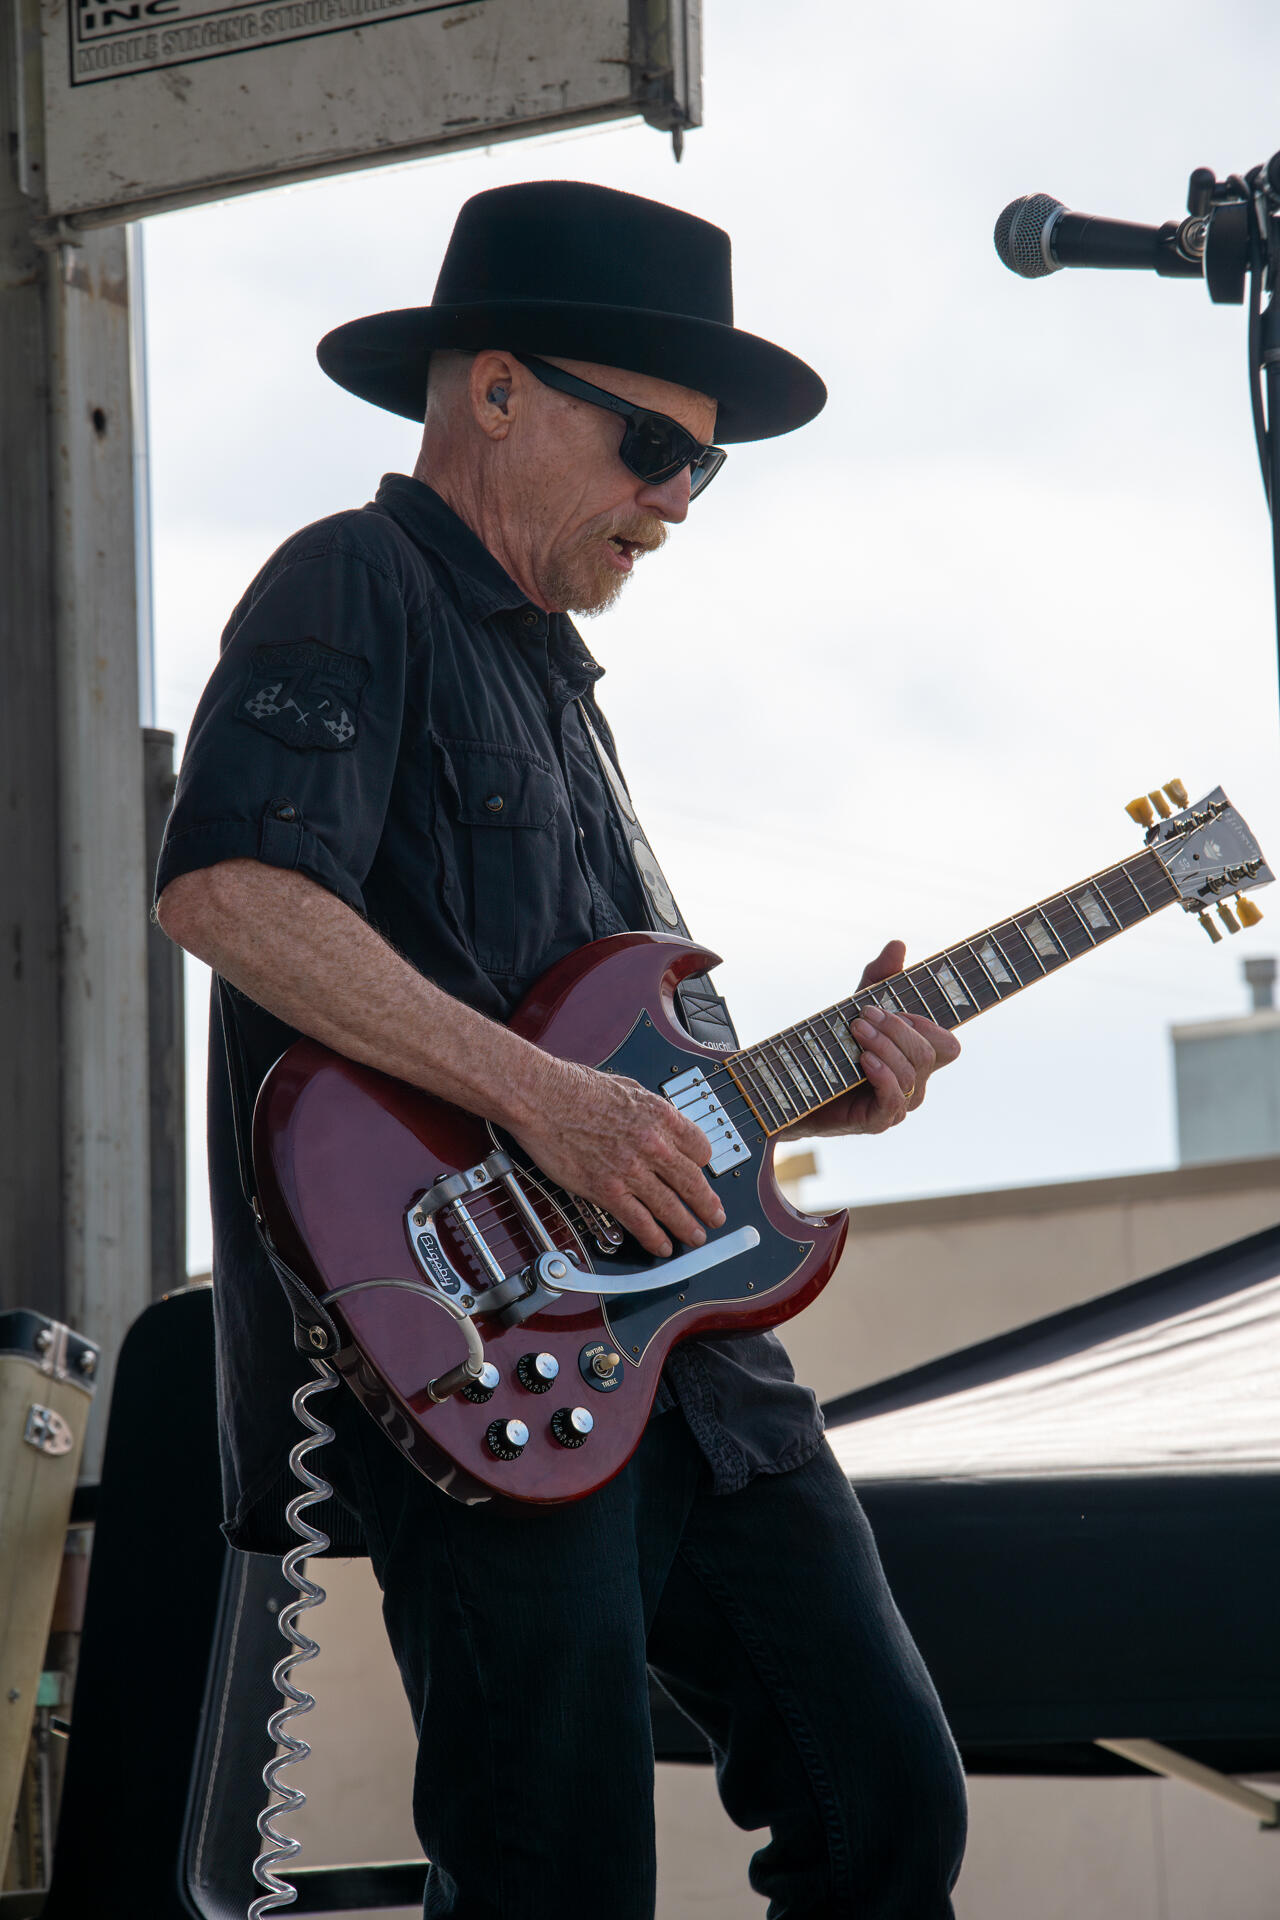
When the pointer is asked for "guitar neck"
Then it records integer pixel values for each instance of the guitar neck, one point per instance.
(795, 1072)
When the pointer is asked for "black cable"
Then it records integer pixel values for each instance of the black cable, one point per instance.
(1260, 425)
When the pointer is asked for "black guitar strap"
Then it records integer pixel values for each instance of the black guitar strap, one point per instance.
(313, 1329)
(241, 1095)
(702, 1009)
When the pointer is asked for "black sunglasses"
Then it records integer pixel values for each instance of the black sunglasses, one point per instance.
(654, 447)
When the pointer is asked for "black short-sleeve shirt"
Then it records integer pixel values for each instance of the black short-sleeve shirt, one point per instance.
(392, 717)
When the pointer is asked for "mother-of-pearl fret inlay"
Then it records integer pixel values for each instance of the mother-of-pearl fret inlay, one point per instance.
(797, 1071)
(1041, 938)
(994, 965)
(950, 986)
(821, 1062)
(778, 1092)
(793, 1065)
(847, 1044)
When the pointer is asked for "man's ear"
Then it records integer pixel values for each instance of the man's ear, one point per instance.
(492, 389)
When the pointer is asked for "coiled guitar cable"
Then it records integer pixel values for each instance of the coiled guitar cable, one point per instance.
(311, 1540)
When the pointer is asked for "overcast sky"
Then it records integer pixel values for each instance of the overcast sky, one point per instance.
(899, 671)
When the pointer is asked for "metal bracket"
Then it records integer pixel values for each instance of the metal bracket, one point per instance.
(455, 1186)
(1179, 1766)
(47, 1431)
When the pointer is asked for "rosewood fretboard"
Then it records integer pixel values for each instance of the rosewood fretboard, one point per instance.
(794, 1072)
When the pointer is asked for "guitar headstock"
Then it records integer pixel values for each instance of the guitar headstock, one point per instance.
(1208, 852)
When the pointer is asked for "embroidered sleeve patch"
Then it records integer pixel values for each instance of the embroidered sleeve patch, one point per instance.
(305, 694)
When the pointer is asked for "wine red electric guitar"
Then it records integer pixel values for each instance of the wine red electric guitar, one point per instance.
(508, 1336)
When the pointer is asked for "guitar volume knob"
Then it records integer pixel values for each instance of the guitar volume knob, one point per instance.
(571, 1425)
(481, 1389)
(537, 1371)
(507, 1439)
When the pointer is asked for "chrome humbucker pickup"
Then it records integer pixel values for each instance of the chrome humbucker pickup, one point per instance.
(691, 1095)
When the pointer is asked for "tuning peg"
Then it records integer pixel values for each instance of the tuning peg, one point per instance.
(1160, 804)
(1228, 918)
(1176, 792)
(1209, 927)
(1249, 914)
(1141, 811)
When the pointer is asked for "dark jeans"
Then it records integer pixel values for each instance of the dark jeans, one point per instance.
(523, 1635)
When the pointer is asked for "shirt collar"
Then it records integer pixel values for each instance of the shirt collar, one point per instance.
(481, 584)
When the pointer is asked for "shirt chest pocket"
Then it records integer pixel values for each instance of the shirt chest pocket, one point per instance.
(508, 810)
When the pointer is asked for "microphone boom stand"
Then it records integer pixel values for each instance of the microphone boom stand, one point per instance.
(1241, 216)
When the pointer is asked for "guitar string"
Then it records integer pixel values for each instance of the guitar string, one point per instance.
(499, 1212)
(494, 1212)
(1053, 906)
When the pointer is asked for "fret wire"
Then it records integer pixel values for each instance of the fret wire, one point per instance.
(1054, 933)
(784, 1098)
(826, 1015)
(1161, 873)
(928, 1011)
(1030, 944)
(1062, 929)
(801, 1062)
(1168, 884)
(1015, 978)
(1012, 978)
(797, 1049)
(950, 960)
(829, 1069)
(1107, 907)
(933, 1012)
(982, 963)
(783, 1070)
(797, 1058)
(740, 1060)
(1142, 898)
(779, 1097)
(1128, 907)
(1080, 917)
(959, 956)
(977, 983)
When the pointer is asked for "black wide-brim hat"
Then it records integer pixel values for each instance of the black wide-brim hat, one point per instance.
(584, 273)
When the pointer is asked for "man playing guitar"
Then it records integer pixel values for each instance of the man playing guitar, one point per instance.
(391, 818)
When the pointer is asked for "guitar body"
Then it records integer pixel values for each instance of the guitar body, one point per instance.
(344, 1154)
(507, 1336)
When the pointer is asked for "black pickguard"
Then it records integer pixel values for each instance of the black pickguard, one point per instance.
(649, 1056)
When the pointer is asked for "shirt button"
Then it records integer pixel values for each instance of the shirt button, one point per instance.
(494, 803)
(530, 619)
(286, 813)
